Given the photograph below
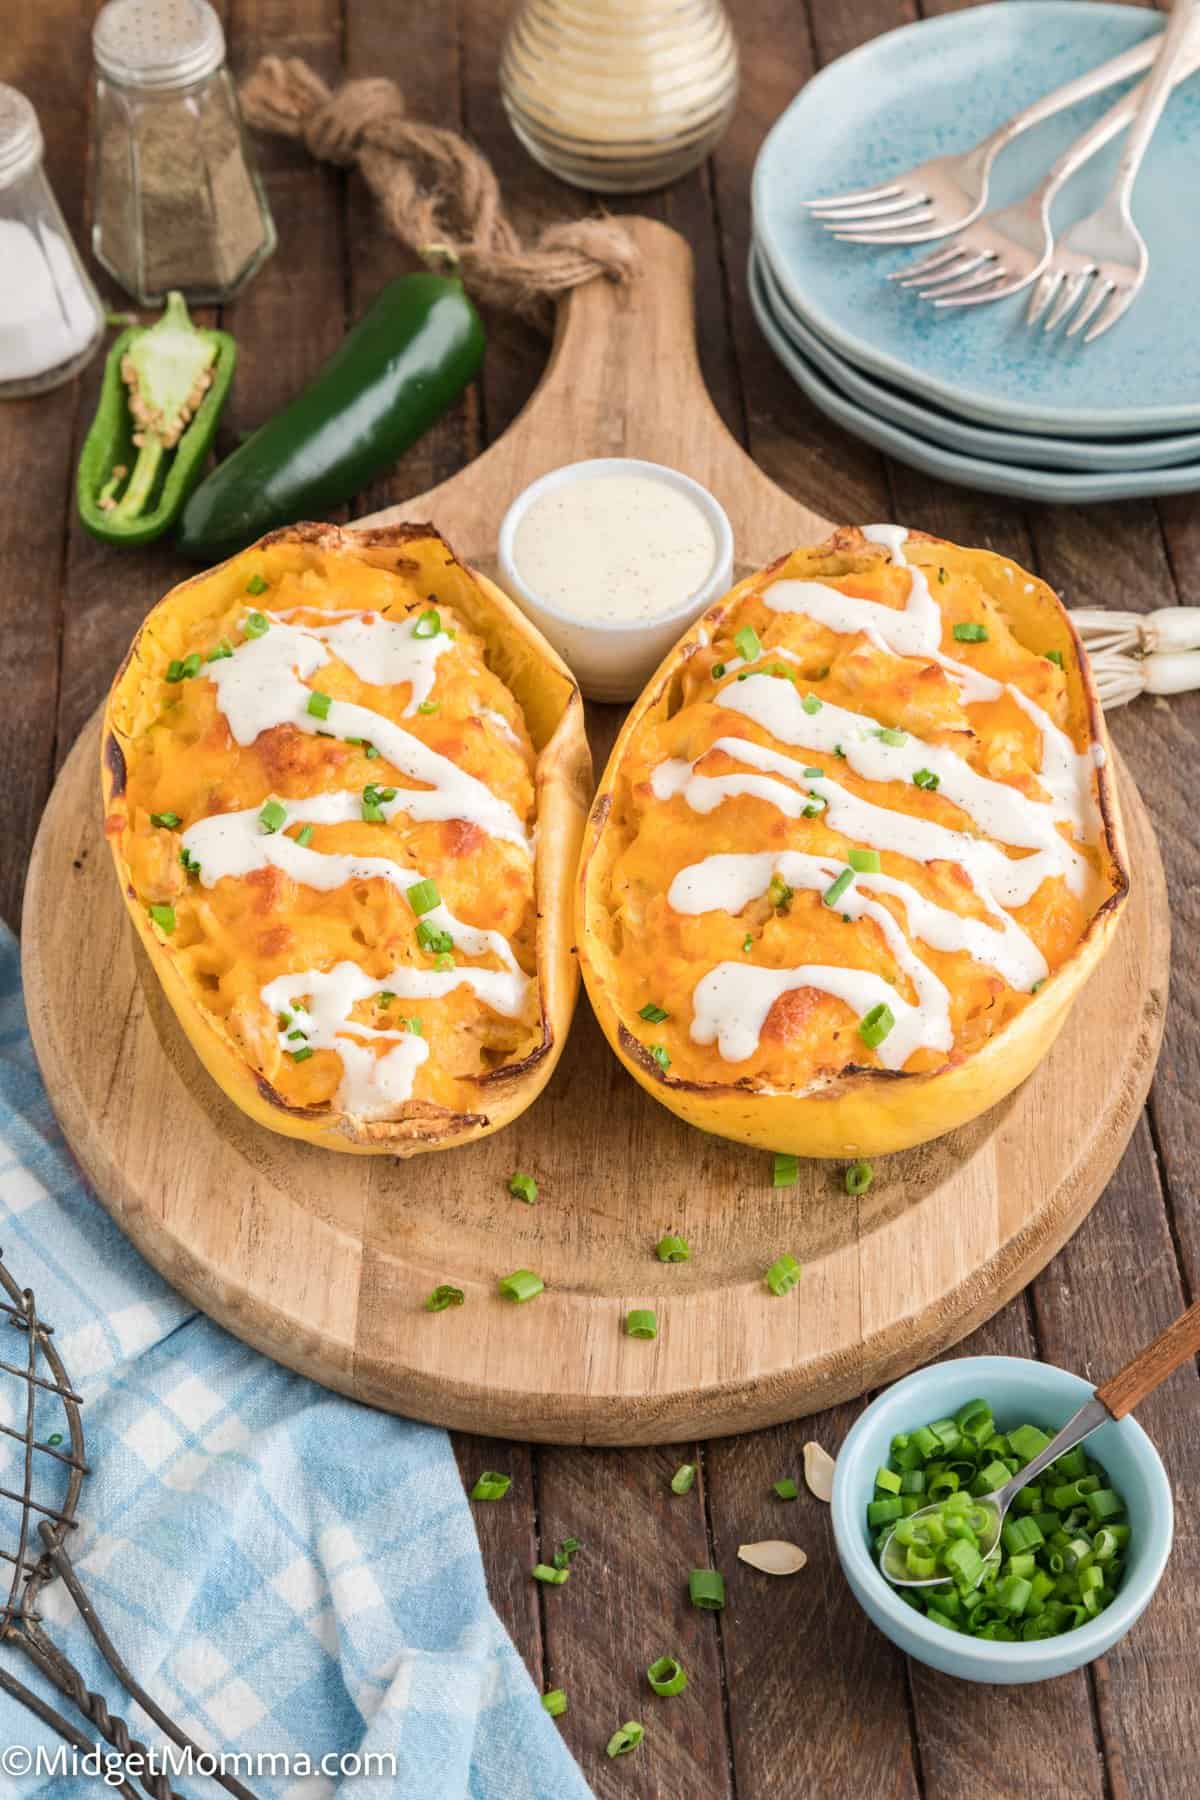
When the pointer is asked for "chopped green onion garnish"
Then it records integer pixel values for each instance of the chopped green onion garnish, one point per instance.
(661, 1056)
(163, 916)
(1055, 656)
(256, 625)
(783, 1274)
(811, 704)
(299, 1056)
(370, 752)
(433, 938)
(543, 1571)
(304, 836)
(166, 821)
(627, 1738)
(491, 1485)
(183, 670)
(522, 1284)
(297, 1033)
(188, 861)
(443, 962)
(858, 1177)
(747, 944)
(555, 1702)
(220, 649)
(864, 862)
(943, 577)
(653, 1015)
(438, 1301)
(415, 1026)
(779, 894)
(319, 704)
(706, 1589)
(718, 669)
(925, 778)
(666, 1676)
(272, 816)
(423, 896)
(813, 774)
(429, 623)
(683, 1478)
(256, 585)
(385, 996)
(875, 1025)
(749, 645)
(888, 734)
(641, 1322)
(833, 894)
(672, 1249)
(565, 1551)
(786, 1489)
(429, 706)
(970, 633)
(523, 1187)
(838, 751)
(787, 1169)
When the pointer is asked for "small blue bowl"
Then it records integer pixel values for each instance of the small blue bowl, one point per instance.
(1017, 1390)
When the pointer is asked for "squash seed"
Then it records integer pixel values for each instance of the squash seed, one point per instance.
(818, 1471)
(773, 1556)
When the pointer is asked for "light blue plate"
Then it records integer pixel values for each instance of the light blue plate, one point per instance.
(939, 86)
(1058, 485)
(1024, 448)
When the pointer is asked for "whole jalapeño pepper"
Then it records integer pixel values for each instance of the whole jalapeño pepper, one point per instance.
(163, 390)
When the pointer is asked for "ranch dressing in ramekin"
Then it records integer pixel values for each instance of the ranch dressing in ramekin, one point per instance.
(613, 560)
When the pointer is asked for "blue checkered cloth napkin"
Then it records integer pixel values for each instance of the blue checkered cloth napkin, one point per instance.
(284, 1570)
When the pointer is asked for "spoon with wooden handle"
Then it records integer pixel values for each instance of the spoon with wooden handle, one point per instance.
(1118, 1396)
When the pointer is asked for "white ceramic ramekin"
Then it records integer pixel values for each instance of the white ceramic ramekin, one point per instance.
(614, 661)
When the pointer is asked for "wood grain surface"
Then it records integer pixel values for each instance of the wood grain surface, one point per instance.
(793, 1695)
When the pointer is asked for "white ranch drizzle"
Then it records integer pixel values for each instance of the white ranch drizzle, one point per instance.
(727, 882)
(730, 1006)
(262, 685)
(382, 652)
(319, 1002)
(1003, 812)
(235, 844)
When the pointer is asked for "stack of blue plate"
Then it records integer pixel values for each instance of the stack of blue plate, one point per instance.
(974, 394)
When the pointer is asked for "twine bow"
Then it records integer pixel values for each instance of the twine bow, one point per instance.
(437, 194)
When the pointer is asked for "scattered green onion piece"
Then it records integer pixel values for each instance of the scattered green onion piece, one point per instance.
(55, 1438)
(188, 861)
(423, 896)
(304, 836)
(833, 894)
(970, 633)
(666, 1676)
(672, 1249)
(552, 1577)
(443, 962)
(706, 1589)
(813, 774)
(925, 778)
(319, 704)
(221, 649)
(299, 1056)
(565, 1551)
(718, 669)
(163, 916)
(747, 944)
(641, 1322)
(429, 624)
(523, 1187)
(166, 821)
(783, 1274)
(864, 862)
(683, 1478)
(858, 1177)
(749, 645)
(429, 707)
(416, 1027)
(257, 585)
(627, 1738)
(786, 1171)
(432, 937)
(653, 1015)
(811, 704)
(786, 1488)
(779, 894)
(442, 1297)
(889, 735)
(256, 625)
(385, 996)
(875, 1025)
(943, 578)
(1055, 656)
(272, 816)
(522, 1284)
(661, 1055)
(555, 1702)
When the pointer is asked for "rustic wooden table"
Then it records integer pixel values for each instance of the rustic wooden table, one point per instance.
(792, 1692)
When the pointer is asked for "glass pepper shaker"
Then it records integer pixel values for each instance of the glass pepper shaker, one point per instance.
(178, 201)
(51, 320)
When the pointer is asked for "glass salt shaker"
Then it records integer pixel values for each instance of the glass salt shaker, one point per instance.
(618, 96)
(178, 201)
(51, 320)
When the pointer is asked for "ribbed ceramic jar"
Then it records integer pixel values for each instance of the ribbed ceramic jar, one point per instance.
(619, 95)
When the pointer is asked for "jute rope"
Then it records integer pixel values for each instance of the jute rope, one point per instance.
(437, 194)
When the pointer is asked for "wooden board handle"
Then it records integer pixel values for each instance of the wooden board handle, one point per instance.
(1152, 1365)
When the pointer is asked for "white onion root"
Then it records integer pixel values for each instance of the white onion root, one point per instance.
(1170, 628)
(1121, 677)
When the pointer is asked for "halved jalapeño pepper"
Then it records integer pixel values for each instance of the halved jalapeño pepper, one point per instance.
(164, 387)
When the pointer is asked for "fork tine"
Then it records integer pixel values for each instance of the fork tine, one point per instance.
(980, 273)
(1044, 291)
(1000, 289)
(926, 264)
(1069, 298)
(922, 230)
(953, 272)
(876, 209)
(1101, 289)
(1122, 299)
(878, 234)
(853, 197)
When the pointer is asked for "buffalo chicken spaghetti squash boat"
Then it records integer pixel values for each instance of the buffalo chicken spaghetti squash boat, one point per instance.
(856, 850)
(345, 784)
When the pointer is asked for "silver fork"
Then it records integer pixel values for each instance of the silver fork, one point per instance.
(941, 196)
(1006, 250)
(1104, 255)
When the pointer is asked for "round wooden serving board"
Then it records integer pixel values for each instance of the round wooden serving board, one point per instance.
(324, 1261)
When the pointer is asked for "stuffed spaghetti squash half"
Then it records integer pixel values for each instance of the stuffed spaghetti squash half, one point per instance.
(344, 785)
(856, 850)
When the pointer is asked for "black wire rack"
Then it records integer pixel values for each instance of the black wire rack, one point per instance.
(33, 1548)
